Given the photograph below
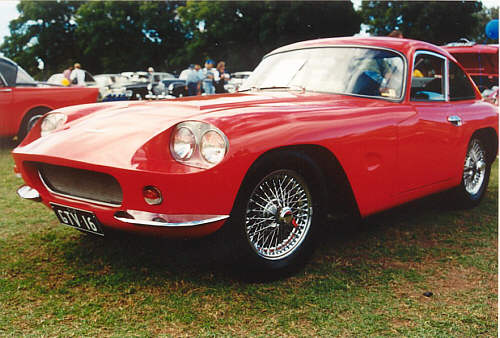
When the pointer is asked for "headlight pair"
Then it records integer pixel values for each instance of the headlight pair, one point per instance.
(198, 144)
(52, 122)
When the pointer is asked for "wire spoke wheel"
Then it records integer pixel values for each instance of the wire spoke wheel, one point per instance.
(474, 168)
(278, 214)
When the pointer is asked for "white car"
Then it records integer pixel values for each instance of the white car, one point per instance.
(104, 90)
(236, 81)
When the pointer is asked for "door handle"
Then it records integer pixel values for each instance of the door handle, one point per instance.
(455, 120)
(6, 90)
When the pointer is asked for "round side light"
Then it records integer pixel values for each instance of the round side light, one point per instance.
(152, 195)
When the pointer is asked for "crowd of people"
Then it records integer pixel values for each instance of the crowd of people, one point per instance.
(74, 75)
(209, 79)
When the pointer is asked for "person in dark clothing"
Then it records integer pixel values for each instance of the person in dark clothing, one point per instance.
(221, 78)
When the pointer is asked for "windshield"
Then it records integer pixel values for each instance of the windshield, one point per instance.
(340, 70)
(23, 77)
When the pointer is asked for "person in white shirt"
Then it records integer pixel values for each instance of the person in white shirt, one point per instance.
(77, 75)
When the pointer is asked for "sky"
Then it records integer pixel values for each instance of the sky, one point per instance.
(9, 12)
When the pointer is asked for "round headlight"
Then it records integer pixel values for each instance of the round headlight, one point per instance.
(52, 122)
(183, 144)
(212, 147)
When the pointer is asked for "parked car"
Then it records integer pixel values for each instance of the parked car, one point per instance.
(23, 100)
(236, 81)
(321, 127)
(142, 85)
(116, 84)
(176, 87)
(58, 79)
(481, 62)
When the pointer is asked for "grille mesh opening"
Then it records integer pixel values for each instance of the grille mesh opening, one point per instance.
(81, 183)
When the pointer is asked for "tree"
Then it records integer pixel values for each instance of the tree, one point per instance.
(485, 16)
(44, 31)
(241, 32)
(127, 35)
(437, 22)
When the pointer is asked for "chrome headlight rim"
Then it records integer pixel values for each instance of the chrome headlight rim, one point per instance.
(173, 143)
(52, 122)
(201, 145)
(199, 130)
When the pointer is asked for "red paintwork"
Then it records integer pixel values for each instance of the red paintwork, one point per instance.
(391, 152)
(477, 59)
(14, 104)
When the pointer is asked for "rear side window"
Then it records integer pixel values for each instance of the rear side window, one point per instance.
(460, 86)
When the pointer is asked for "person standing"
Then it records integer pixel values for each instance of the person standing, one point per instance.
(220, 78)
(67, 72)
(151, 78)
(77, 76)
(209, 77)
(192, 80)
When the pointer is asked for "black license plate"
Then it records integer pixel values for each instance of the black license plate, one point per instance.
(79, 219)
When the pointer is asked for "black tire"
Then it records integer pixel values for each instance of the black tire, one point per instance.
(475, 176)
(291, 223)
(29, 121)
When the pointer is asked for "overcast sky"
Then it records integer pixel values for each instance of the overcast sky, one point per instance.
(9, 12)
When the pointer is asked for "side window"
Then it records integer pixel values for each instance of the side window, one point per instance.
(427, 82)
(460, 86)
(8, 71)
(88, 77)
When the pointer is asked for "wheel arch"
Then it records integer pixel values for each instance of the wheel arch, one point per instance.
(340, 196)
(43, 109)
(490, 138)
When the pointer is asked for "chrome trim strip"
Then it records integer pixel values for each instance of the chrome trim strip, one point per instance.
(171, 225)
(82, 199)
(445, 75)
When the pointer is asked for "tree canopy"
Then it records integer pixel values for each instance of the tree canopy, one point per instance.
(438, 22)
(241, 32)
(115, 36)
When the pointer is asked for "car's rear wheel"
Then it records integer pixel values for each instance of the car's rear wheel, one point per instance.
(276, 218)
(475, 176)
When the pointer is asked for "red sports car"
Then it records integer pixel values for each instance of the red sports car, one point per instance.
(23, 100)
(481, 62)
(322, 126)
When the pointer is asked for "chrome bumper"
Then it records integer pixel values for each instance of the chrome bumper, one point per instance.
(144, 218)
(141, 218)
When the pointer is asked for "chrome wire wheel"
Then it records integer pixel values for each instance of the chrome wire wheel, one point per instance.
(474, 168)
(278, 214)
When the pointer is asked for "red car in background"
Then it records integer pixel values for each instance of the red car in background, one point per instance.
(23, 100)
(481, 62)
(321, 127)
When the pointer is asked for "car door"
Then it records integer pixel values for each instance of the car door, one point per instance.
(7, 109)
(427, 140)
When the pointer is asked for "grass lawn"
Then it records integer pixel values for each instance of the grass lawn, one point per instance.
(57, 281)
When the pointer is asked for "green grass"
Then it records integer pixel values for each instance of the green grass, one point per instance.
(55, 281)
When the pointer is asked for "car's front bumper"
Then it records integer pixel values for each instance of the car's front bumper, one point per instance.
(196, 203)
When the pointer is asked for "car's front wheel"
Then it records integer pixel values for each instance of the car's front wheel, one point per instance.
(476, 174)
(277, 214)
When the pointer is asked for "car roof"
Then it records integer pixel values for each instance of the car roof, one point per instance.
(471, 49)
(405, 46)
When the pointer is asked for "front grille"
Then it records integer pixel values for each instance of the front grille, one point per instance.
(80, 183)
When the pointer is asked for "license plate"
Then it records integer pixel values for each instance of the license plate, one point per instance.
(79, 219)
